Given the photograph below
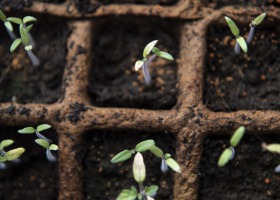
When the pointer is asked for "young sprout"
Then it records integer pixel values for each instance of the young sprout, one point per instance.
(252, 25)
(139, 169)
(31, 130)
(145, 62)
(273, 148)
(49, 147)
(228, 153)
(240, 42)
(25, 37)
(11, 155)
(8, 25)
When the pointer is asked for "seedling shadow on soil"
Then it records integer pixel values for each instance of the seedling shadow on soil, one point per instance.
(247, 81)
(116, 47)
(25, 83)
(34, 177)
(250, 175)
(104, 180)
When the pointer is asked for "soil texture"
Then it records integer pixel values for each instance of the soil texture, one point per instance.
(247, 81)
(22, 82)
(250, 175)
(116, 47)
(222, 3)
(33, 176)
(99, 148)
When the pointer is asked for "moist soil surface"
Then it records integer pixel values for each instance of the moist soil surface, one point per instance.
(250, 175)
(242, 82)
(100, 147)
(33, 176)
(119, 44)
(22, 82)
(222, 3)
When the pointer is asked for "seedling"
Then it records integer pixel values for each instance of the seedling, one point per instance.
(252, 25)
(25, 37)
(11, 155)
(273, 148)
(139, 169)
(49, 147)
(228, 153)
(145, 62)
(8, 25)
(31, 130)
(240, 41)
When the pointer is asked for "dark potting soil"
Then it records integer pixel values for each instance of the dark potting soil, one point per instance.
(104, 180)
(250, 175)
(117, 45)
(247, 81)
(33, 177)
(20, 4)
(25, 83)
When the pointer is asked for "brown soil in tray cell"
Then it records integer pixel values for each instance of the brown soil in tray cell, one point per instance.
(250, 175)
(116, 47)
(33, 177)
(25, 82)
(104, 180)
(247, 81)
(245, 3)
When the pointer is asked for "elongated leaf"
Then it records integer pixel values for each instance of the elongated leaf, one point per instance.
(14, 153)
(234, 29)
(127, 195)
(29, 27)
(43, 143)
(29, 19)
(259, 19)
(53, 147)
(13, 47)
(122, 156)
(165, 55)
(14, 20)
(173, 165)
(3, 159)
(43, 127)
(27, 130)
(151, 190)
(274, 147)
(24, 35)
(149, 48)
(237, 136)
(138, 65)
(144, 146)
(9, 26)
(2, 16)
(156, 151)
(6, 143)
(225, 157)
(241, 41)
(139, 168)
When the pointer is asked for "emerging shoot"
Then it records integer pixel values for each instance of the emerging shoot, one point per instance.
(8, 25)
(240, 41)
(139, 169)
(49, 147)
(252, 25)
(145, 62)
(31, 130)
(25, 37)
(11, 155)
(228, 153)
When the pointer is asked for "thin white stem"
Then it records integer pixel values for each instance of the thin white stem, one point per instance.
(251, 34)
(39, 135)
(237, 48)
(34, 59)
(146, 73)
(11, 34)
(50, 156)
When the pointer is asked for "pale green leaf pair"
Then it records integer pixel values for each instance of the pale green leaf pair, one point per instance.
(235, 31)
(45, 144)
(30, 130)
(12, 154)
